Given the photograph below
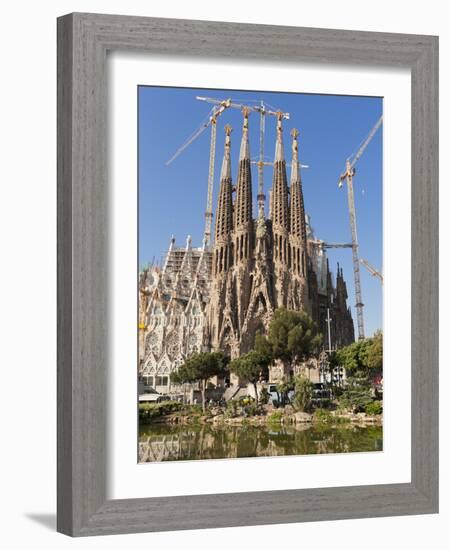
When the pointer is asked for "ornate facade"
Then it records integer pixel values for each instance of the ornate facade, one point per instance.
(221, 298)
(172, 312)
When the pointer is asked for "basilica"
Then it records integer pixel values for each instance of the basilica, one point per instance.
(219, 296)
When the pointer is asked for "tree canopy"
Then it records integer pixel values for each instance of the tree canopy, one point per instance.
(293, 336)
(303, 393)
(357, 394)
(199, 367)
(251, 366)
(262, 346)
(365, 355)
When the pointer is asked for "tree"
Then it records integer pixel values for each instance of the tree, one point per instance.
(251, 366)
(262, 346)
(349, 357)
(303, 393)
(284, 386)
(200, 367)
(365, 355)
(293, 336)
(374, 353)
(356, 395)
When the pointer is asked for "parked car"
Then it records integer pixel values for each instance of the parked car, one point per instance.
(272, 391)
(321, 395)
(276, 399)
(320, 391)
(153, 397)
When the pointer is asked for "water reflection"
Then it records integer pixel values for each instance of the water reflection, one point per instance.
(161, 443)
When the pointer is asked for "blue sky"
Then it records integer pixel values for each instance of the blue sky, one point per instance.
(172, 198)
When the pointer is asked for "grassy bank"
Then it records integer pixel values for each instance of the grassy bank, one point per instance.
(248, 412)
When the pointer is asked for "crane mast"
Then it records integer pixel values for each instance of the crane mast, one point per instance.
(209, 197)
(348, 177)
(355, 252)
(216, 112)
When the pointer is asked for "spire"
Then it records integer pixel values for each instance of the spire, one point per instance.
(279, 197)
(245, 148)
(226, 163)
(243, 206)
(169, 257)
(279, 149)
(187, 268)
(297, 209)
(224, 213)
(295, 175)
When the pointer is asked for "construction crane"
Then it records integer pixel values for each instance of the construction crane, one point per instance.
(268, 163)
(374, 272)
(263, 112)
(212, 121)
(348, 177)
(322, 244)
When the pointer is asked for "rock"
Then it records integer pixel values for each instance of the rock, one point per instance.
(300, 417)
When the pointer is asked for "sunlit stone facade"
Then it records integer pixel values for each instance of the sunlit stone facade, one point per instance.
(220, 297)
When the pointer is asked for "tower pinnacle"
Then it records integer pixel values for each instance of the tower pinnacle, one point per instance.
(245, 147)
(224, 212)
(279, 195)
(226, 163)
(243, 206)
(297, 208)
(279, 149)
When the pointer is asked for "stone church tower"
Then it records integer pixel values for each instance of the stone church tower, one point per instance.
(219, 298)
(258, 264)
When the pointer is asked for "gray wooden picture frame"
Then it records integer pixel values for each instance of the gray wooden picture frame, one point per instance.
(83, 241)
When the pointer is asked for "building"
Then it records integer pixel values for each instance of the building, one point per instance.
(172, 312)
(220, 298)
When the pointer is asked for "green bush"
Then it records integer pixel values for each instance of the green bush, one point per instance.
(195, 409)
(264, 396)
(374, 408)
(250, 410)
(323, 416)
(232, 409)
(303, 393)
(275, 417)
(149, 411)
(357, 394)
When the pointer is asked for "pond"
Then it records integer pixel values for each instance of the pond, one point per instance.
(167, 442)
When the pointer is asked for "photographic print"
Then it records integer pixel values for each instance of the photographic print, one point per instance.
(260, 303)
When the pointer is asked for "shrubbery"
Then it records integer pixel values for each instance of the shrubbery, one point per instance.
(303, 393)
(250, 410)
(232, 409)
(149, 411)
(247, 406)
(264, 396)
(374, 408)
(357, 395)
(323, 416)
(275, 417)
